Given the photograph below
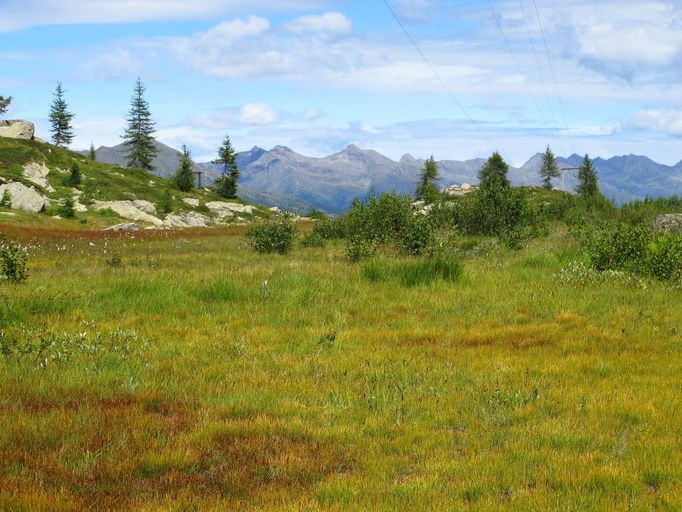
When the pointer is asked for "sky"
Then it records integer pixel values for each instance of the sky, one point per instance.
(456, 79)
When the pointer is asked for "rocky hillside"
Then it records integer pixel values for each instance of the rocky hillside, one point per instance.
(34, 179)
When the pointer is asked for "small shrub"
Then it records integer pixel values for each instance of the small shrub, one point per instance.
(664, 258)
(75, 177)
(67, 209)
(313, 239)
(6, 199)
(114, 261)
(273, 235)
(166, 202)
(358, 247)
(13, 262)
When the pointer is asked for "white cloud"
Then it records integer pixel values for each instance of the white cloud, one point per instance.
(312, 114)
(258, 114)
(326, 25)
(18, 14)
(665, 121)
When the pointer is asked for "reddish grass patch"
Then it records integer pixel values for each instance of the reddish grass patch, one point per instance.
(122, 452)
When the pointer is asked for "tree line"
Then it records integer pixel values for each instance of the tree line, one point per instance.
(494, 174)
(138, 137)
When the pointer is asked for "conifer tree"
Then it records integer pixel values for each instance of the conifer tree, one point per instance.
(93, 153)
(75, 177)
(494, 173)
(549, 169)
(4, 104)
(184, 176)
(139, 134)
(588, 184)
(227, 184)
(427, 186)
(60, 119)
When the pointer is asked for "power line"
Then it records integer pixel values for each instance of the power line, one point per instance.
(516, 63)
(556, 83)
(438, 77)
(542, 75)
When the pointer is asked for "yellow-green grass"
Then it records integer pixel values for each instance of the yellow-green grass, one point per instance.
(198, 375)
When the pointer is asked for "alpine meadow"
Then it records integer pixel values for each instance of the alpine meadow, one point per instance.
(187, 324)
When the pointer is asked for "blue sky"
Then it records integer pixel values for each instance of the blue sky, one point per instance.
(317, 75)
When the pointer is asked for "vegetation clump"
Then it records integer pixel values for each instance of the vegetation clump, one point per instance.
(273, 235)
(13, 261)
(184, 176)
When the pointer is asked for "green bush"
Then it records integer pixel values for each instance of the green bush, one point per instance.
(313, 239)
(273, 235)
(6, 199)
(13, 262)
(634, 249)
(495, 211)
(664, 258)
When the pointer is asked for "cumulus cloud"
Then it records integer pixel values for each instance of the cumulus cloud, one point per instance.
(258, 114)
(326, 25)
(664, 121)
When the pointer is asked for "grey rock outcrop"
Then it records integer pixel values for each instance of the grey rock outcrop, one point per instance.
(186, 220)
(25, 198)
(192, 202)
(128, 210)
(223, 209)
(17, 129)
(37, 173)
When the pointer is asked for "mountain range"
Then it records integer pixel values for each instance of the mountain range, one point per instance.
(281, 177)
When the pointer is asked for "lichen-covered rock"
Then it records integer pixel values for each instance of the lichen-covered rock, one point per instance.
(668, 223)
(17, 129)
(186, 220)
(37, 173)
(25, 198)
(127, 210)
(223, 209)
(192, 202)
(145, 206)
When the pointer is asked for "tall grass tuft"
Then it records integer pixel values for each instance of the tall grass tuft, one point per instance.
(414, 272)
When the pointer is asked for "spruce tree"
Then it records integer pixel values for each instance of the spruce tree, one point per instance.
(227, 184)
(184, 176)
(549, 169)
(60, 119)
(494, 173)
(427, 186)
(588, 184)
(138, 136)
(4, 104)
(93, 153)
(75, 177)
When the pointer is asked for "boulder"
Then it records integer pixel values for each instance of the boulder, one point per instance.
(274, 209)
(127, 210)
(192, 202)
(17, 129)
(37, 173)
(123, 227)
(25, 198)
(668, 223)
(223, 209)
(145, 206)
(186, 220)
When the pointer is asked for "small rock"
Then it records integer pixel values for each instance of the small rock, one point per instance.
(192, 202)
(123, 227)
(274, 209)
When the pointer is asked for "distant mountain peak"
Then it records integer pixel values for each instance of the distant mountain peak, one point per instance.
(408, 159)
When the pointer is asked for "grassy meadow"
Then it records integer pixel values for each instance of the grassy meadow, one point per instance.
(183, 371)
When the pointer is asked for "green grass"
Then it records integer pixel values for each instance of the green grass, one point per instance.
(199, 375)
